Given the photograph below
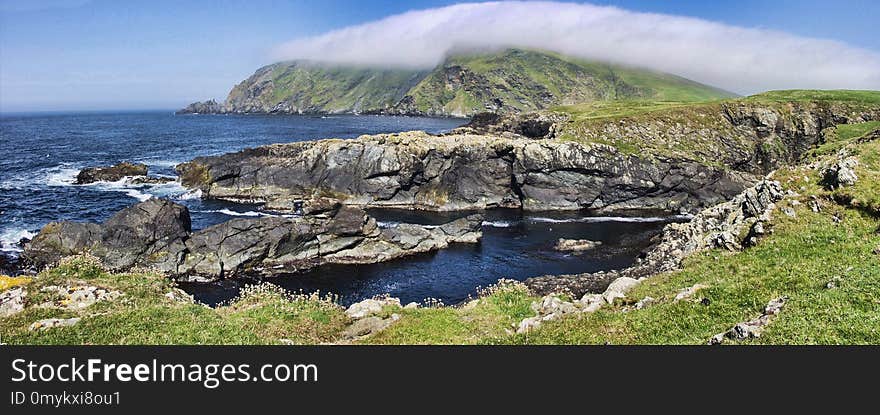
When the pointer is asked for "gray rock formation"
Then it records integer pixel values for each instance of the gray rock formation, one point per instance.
(156, 234)
(459, 172)
(111, 173)
(842, 173)
(726, 225)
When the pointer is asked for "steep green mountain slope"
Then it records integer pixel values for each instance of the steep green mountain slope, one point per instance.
(509, 81)
(304, 87)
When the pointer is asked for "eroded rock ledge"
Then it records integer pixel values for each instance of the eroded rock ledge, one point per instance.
(460, 172)
(156, 234)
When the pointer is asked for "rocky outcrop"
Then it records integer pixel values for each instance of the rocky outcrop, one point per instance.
(535, 125)
(203, 107)
(156, 234)
(727, 225)
(841, 173)
(460, 172)
(751, 329)
(112, 173)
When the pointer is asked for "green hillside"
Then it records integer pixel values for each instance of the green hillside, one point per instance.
(518, 80)
(313, 88)
(510, 81)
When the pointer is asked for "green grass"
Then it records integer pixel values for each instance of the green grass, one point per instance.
(145, 316)
(841, 95)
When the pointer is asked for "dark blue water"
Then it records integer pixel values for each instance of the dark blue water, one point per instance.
(43, 153)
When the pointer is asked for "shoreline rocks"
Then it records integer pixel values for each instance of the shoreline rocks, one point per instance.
(157, 234)
(727, 225)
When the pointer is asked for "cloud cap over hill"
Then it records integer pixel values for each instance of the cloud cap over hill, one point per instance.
(738, 59)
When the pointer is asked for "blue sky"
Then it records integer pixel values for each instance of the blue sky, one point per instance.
(86, 55)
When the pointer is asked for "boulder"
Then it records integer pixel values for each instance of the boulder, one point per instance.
(371, 307)
(619, 288)
(112, 173)
(842, 173)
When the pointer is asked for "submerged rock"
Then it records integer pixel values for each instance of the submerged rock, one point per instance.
(112, 173)
(576, 245)
(156, 234)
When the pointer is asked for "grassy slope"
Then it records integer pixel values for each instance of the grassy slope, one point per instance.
(145, 316)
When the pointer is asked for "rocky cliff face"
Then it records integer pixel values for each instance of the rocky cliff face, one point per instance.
(156, 234)
(458, 172)
(744, 135)
(508, 81)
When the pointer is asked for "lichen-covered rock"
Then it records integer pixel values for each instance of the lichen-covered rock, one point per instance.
(78, 296)
(12, 301)
(50, 323)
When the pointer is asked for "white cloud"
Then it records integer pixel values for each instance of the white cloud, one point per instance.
(738, 59)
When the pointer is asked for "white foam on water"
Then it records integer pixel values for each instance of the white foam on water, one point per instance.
(190, 195)
(249, 213)
(61, 175)
(497, 224)
(626, 219)
(9, 239)
(160, 163)
(387, 224)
